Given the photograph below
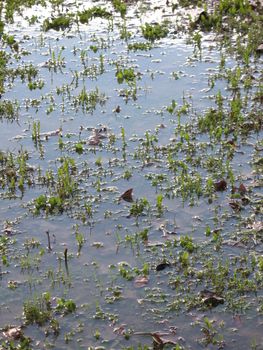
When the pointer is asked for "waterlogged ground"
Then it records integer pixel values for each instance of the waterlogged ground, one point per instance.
(131, 175)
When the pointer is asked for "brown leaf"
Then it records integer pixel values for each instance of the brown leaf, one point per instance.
(141, 281)
(220, 185)
(162, 266)
(13, 333)
(157, 338)
(161, 338)
(94, 141)
(242, 189)
(117, 109)
(245, 200)
(257, 226)
(232, 243)
(127, 195)
(51, 133)
(210, 298)
(101, 132)
(97, 136)
(235, 205)
(260, 48)
(231, 142)
(238, 320)
(120, 330)
(8, 230)
(165, 231)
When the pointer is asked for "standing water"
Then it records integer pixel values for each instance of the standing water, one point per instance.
(131, 175)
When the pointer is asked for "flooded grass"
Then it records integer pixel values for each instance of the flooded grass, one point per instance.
(131, 175)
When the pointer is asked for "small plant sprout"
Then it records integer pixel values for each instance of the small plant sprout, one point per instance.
(159, 204)
(197, 39)
(36, 131)
(79, 238)
(97, 334)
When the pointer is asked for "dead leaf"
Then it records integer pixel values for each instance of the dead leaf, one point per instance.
(13, 333)
(165, 231)
(155, 244)
(245, 200)
(260, 48)
(51, 133)
(120, 330)
(97, 244)
(94, 140)
(232, 243)
(210, 298)
(141, 281)
(238, 320)
(220, 185)
(242, 189)
(235, 205)
(140, 301)
(101, 132)
(161, 338)
(97, 136)
(8, 230)
(157, 338)
(127, 195)
(231, 142)
(162, 266)
(12, 284)
(117, 109)
(257, 226)
(169, 339)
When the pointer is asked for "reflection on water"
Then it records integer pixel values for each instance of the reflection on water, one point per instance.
(109, 241)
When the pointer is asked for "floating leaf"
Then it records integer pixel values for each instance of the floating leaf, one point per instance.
(155, 244)
(161, 338)
(210, 298)
(101, 132)
(235, 205)
(242, 189)
(220, 185)
(231, 142)
(141, 281)
(121, 330)
(97, 136)
(51, 133)
(117, 109)
(157, 338)
(8, 230)
(257, 226)
(232, 243)
(165, 231)
(162, 266)
(13, 333)
(94, 140)
(260, 48)
(127, 195)
(97, 244)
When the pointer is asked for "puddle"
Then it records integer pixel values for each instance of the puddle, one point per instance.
(88, 118)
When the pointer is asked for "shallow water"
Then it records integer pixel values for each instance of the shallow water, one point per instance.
(93, 274)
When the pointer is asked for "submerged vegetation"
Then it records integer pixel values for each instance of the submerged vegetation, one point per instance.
(131, 174)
